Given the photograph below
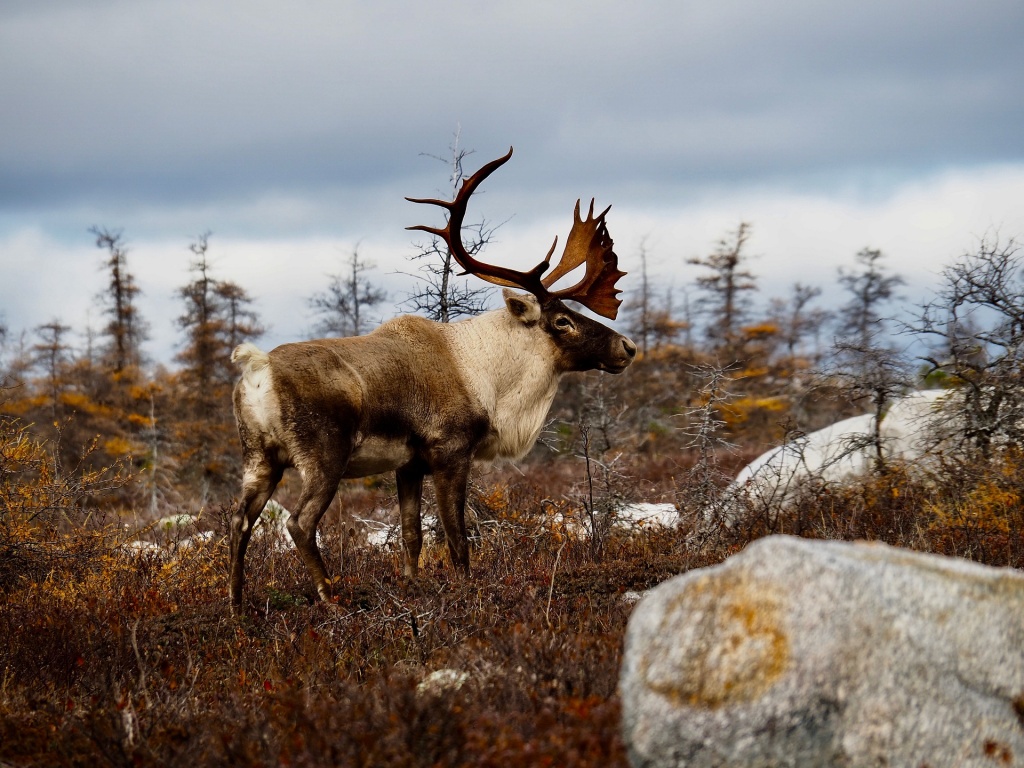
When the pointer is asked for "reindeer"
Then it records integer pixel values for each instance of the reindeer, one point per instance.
(422, 398)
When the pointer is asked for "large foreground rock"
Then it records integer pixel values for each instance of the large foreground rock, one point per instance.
(813, 653)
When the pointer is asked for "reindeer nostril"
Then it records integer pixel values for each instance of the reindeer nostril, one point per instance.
(629, 346)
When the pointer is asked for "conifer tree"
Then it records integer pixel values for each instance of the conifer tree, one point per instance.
(724, 300)
(51, 354)
(870, 289)
(343, 307)
(641, 310)
(797, 319)
(241, 322)
(126, 329)
(217, 316)
(869, 368)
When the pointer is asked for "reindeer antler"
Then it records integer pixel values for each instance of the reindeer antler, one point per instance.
(588, 242)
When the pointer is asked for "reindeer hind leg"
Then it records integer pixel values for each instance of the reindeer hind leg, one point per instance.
(319, 485)
(259, 480)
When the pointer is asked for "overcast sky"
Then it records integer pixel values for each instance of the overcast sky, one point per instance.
(293, 131)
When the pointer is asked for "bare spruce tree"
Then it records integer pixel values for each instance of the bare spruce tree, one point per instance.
(687, 322)
(875, 375)
(870, 288)
(344, 306)
(156, 485)
(652, 322)
(798, 320)
(699, 497)
(5, 334)
(724, 290)
(52, 355)
(641, 309)
(18, 360)
(125, 329)
(442, 295)
(217, 316)
(665, 328)
(867, 366)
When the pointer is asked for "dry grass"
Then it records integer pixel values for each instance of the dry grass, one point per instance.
(114, 658)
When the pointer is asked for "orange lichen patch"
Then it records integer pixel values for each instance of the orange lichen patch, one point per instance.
(1018, 708)
(732, 647)
(998, 751)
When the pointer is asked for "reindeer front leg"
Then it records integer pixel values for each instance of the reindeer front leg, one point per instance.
(450, 484)
(410, 497)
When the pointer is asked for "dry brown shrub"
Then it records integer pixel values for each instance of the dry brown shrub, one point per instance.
(134, 659)
(116, 657)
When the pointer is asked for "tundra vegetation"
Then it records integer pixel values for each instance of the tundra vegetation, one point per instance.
(117, 645)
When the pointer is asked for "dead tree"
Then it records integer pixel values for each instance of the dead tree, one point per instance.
(442, 294)
(724, 290)
(976, 325)
(870, 289)
(52, 354)
(126, 329)
(343, 307)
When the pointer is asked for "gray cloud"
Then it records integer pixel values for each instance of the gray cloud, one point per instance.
(189, 100)
(273, 122)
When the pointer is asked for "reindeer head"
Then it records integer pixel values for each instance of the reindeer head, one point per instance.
(581, 343)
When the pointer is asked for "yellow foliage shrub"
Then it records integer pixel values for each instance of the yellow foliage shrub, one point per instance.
(118, 447)
(737, 412)
(138, 420)
(42, 519)
(77, 401)
(988, 508)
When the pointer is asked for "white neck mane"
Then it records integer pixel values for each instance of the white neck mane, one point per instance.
(509, 369)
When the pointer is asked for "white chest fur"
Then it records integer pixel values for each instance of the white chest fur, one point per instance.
(508, 367)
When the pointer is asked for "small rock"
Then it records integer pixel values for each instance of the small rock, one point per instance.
(441, 680)
(647, 514)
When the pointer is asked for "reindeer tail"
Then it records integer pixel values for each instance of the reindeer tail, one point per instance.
(249, 358)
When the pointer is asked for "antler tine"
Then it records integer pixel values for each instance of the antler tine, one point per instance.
(590, 242)
(452, 235)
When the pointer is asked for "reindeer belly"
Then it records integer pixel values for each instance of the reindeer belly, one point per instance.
(374, 455)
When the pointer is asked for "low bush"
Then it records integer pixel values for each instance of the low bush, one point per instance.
(113, 655)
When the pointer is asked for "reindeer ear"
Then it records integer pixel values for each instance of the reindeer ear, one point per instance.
(523, 306)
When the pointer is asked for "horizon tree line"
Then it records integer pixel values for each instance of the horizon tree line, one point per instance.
(174, 427)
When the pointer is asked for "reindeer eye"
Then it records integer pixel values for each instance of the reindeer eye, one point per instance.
(563, 323)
